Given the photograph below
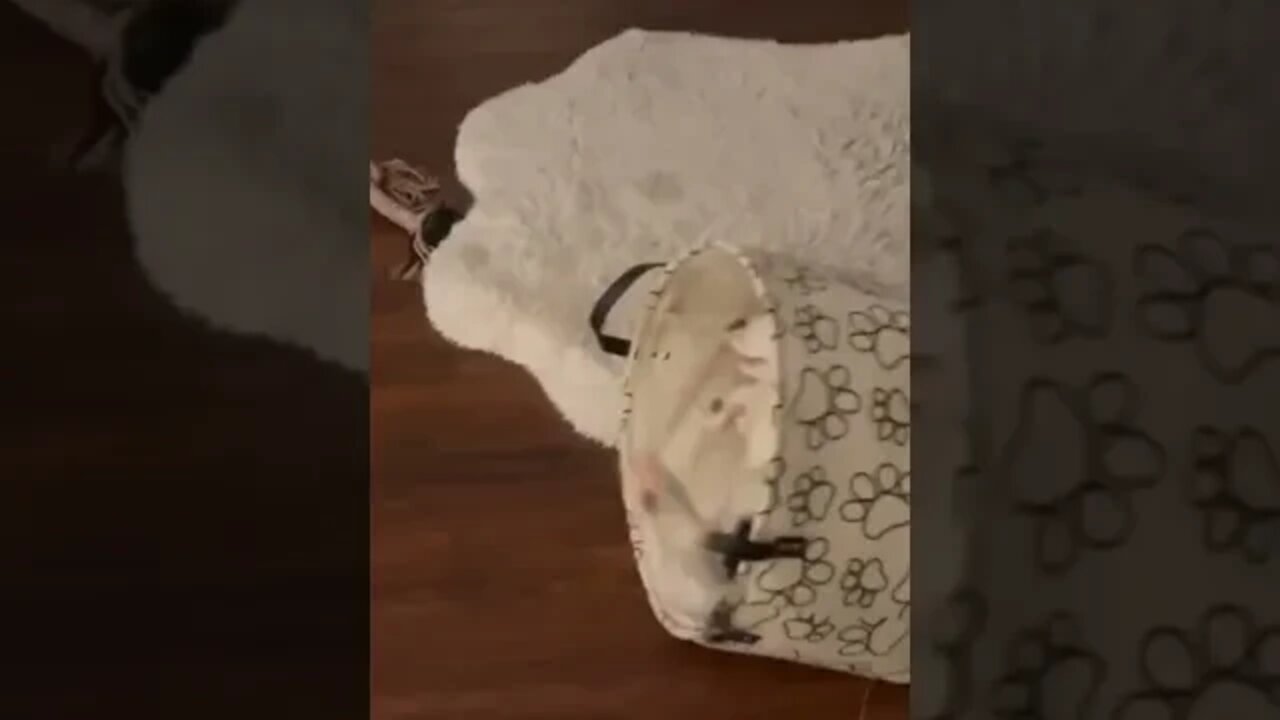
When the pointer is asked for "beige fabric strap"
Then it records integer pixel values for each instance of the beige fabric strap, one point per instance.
(405, 196)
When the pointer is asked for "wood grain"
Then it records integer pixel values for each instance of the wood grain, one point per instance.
(183, 513)
(502, 580)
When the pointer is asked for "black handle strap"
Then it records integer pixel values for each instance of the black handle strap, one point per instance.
(604, 305)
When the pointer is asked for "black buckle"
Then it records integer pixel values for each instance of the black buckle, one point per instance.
(432, 230)
(720, 628)
(738, 547)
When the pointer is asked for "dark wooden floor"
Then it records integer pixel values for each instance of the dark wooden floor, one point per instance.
(183, 523)
(502, 579)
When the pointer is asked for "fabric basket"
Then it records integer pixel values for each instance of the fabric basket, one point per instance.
(788, 537)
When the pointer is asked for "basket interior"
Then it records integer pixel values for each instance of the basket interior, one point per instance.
(681, 366)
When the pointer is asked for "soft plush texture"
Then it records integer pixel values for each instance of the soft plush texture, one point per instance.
(645, 145)
(245, 211)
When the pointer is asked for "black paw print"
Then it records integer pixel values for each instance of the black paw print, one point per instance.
(879, 500)
(884, 333)
(1032, 660)
(1066, 295)
(1223, 299)
(863, 581)
(1235, 483)
(824, 403)
(811, 497)
(1074, 461)
(866, 637)
(816, 330)
(805, 282)
(808, 628)
(891, 413)
(1228, 653)
(797, 582)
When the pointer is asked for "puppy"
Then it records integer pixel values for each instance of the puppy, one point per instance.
(694, 581)
(748, 407)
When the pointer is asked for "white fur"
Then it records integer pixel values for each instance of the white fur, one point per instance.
(751, 405)
(241, 220)
(235, 190)
(632, 154)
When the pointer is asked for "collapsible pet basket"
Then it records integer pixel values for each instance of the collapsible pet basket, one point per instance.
(771, 521)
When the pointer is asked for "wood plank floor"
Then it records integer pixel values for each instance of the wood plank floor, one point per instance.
(183, 522)
(502, 580)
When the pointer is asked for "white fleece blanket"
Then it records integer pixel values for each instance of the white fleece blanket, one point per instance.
(242, 212)
(643, 146)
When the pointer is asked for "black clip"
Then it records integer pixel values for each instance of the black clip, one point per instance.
(432, 230)
(738, 547)
(720, 628)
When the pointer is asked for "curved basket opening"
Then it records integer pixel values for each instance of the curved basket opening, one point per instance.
(695, 395)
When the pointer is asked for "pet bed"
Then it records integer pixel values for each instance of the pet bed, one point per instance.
(766, 405)
(1117, 283)
(645, 145)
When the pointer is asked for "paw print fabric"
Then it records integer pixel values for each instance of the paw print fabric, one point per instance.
(846, 424)
(1125, 350)
(840, 484)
